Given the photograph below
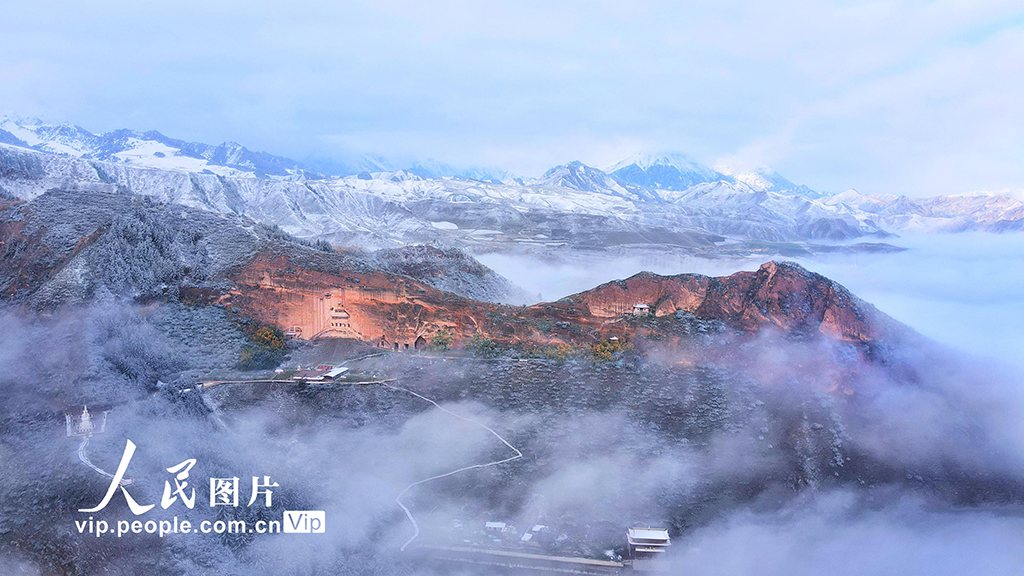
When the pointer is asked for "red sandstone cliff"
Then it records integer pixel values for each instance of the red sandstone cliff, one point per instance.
(784, 295)
(394, 310)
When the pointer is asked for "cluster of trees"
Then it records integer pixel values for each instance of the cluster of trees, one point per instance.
(274, 232)
(607, 350)
(480, 345)
(141, 255)
(266, 348)
(484, 346)
(441, 341)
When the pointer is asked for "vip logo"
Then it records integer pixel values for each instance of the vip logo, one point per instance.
(304, 521)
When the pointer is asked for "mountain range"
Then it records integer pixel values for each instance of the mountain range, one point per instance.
(662, 200)
(151, 149)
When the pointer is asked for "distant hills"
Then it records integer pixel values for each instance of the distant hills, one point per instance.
(147, 149)
(660, 201)
(671, 171)
(152, 149)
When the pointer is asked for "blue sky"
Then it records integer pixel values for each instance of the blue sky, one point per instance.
(918, 98)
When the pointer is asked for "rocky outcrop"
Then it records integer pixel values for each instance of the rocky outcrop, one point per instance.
(783, 295)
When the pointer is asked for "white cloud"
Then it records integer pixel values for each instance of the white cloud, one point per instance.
(914, 97)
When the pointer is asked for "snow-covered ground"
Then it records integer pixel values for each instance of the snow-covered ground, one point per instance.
(147, 150)
(645, 199)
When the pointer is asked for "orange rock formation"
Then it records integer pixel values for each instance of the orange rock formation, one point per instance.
(398, 312)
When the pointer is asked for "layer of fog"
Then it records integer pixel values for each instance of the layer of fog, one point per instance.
(112, 357)
(964, 290)
(834, 534)
(939, 420)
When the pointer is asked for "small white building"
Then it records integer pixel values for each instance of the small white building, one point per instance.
(641, 309)
(322, 373)
(647, 543)
(495, 526)
(336, 372)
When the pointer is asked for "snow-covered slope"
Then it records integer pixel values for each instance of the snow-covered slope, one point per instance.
(148, 149)
(955, 213)
(671, 171)
(577, 205)
(578, 176)
(769, 180)
(574, 204)
(307, 208)
(737, 209)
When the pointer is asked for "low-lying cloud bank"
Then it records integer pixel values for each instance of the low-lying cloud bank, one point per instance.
(765, 456)
(842, 533)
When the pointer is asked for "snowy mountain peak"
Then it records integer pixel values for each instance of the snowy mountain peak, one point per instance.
(671, 171)
(145, 149)
(763, 178)
(63, 138)
(578, 176)
(678, 160)
(768, 180)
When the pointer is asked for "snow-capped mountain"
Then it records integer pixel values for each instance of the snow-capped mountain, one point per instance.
(347, 165)
(148, 149)
(578, 176)
(394, 208)
(853, 199)
(154, 150)
(351, 165)
(385, 206)
(765, 178)
(672, 171)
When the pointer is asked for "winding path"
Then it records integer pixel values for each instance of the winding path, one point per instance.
(398, 499)
(85, 459)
